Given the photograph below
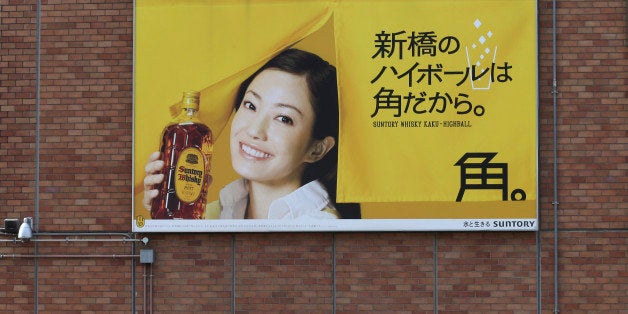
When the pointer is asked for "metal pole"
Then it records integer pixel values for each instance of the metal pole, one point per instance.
(333, 272)
(435, 272)
(144, 305)
(37, 149)
(555, 136)
(150, 295)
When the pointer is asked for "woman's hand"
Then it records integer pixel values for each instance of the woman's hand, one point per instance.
(153, 177)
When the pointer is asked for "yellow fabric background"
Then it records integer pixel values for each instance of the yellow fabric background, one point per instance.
(395, 172)
(417, 164)
(183, 45)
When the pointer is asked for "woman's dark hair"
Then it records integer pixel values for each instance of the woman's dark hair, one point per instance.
(321, 80)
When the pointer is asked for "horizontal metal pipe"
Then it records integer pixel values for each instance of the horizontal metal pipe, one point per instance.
(15, 240)
(83, 234)
(2, 256)
(36, 237)
(72, 240)
(85, 240)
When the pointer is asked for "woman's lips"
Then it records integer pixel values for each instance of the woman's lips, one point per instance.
(253, 153)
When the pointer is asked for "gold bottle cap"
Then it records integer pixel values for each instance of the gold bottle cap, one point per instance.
(191, 99)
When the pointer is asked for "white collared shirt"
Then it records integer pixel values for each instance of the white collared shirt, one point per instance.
(310, 201)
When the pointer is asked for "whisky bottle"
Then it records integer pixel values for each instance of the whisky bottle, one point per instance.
(186, 149)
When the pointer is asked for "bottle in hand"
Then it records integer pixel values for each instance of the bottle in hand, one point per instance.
(186, 149)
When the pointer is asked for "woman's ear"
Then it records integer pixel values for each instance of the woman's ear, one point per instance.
(319, 148)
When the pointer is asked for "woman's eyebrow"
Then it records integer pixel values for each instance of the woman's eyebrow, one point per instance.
(281, 105)
(256, 95)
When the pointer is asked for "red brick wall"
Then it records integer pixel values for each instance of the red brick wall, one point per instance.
(17, 144)
(85, 111)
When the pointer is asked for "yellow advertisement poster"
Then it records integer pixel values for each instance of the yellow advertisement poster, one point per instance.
(432, 126)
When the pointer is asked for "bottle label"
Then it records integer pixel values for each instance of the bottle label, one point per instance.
(189, 175)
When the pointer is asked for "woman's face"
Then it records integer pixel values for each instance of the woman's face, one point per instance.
(271, 131)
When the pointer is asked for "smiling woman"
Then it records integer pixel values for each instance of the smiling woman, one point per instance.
(283, 144)
(271, 132)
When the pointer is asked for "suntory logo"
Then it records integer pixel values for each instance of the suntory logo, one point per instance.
(189, 175)
(191, 159)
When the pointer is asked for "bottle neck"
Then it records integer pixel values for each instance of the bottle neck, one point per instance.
(188, 111)
(187, 115)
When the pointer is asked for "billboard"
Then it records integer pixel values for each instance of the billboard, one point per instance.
(436, 120)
